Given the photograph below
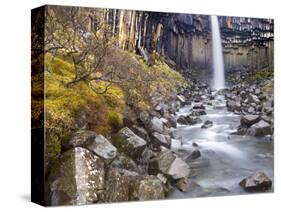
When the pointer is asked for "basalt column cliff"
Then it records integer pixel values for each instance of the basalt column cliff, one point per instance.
(185, 40)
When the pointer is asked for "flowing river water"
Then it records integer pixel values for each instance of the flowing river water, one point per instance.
(228, 158)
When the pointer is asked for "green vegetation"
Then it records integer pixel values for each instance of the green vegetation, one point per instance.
(261, 74)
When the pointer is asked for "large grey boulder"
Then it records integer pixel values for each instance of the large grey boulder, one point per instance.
(81, 138)
(248, 120)
(252, 99)
(124, 185)
(117, 185)
(161, 140)
(76, 179)
(169, 164)
(147, 188)
(141, 132)
(129, 143)
(256, 182)
(122, 161)
(103, 148)
(157, 125)
(261, 128)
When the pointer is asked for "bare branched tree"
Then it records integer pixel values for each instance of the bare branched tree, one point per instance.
(83, 36)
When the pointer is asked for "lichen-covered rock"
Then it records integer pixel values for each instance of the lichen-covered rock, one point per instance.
(118, 184)
(147, 188)
(129, 143)
(81, 138)
(76, 179)
(103, 148)
(256, 182)
(124, 162)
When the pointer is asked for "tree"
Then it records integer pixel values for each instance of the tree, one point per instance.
(82, 36)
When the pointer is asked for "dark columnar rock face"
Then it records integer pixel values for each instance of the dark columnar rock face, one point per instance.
(185, 40)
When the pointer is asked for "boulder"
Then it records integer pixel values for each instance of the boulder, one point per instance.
(103, 148)
(118, 185)
(157, 125)
(199, 106)
(122, 161)
(198, 112)
(141, 132)
(80, 138)
(172, 122)
(189, 120)
(169, 164)
(248, 120)
(76, 179)
(253, 99)
(147, 188)
(259, 129)
(144, 118)
(182, 120)
(161, 140)
(193, 155)
(129, 143)
(186, 185)
(207, 124)
(181, 99)
(256, 182)
(178, 169)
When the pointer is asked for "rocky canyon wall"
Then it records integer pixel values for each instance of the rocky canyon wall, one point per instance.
(185, 40)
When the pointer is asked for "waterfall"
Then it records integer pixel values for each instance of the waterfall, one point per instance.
(218, 65)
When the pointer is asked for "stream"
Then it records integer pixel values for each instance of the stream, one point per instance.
(229, 158)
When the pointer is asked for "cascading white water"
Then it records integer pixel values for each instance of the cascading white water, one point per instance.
(218, 65)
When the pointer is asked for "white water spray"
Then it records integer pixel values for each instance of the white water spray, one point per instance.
(218, 65)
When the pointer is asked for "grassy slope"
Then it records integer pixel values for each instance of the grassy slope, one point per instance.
(68, 109)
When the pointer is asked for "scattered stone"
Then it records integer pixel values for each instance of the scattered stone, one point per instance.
(186, 185)
(182, 99)
(161, 140)
(141, 132)
(253, 99)
(249, 120)
(193, 155)
(256, 182)
(199, 106)
(207, 124)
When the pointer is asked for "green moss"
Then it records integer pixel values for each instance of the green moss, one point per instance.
(115, 120)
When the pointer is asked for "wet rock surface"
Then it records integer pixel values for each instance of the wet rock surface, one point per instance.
(256, 182)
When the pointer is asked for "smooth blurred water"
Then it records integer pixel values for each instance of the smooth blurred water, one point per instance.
(231, 157)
